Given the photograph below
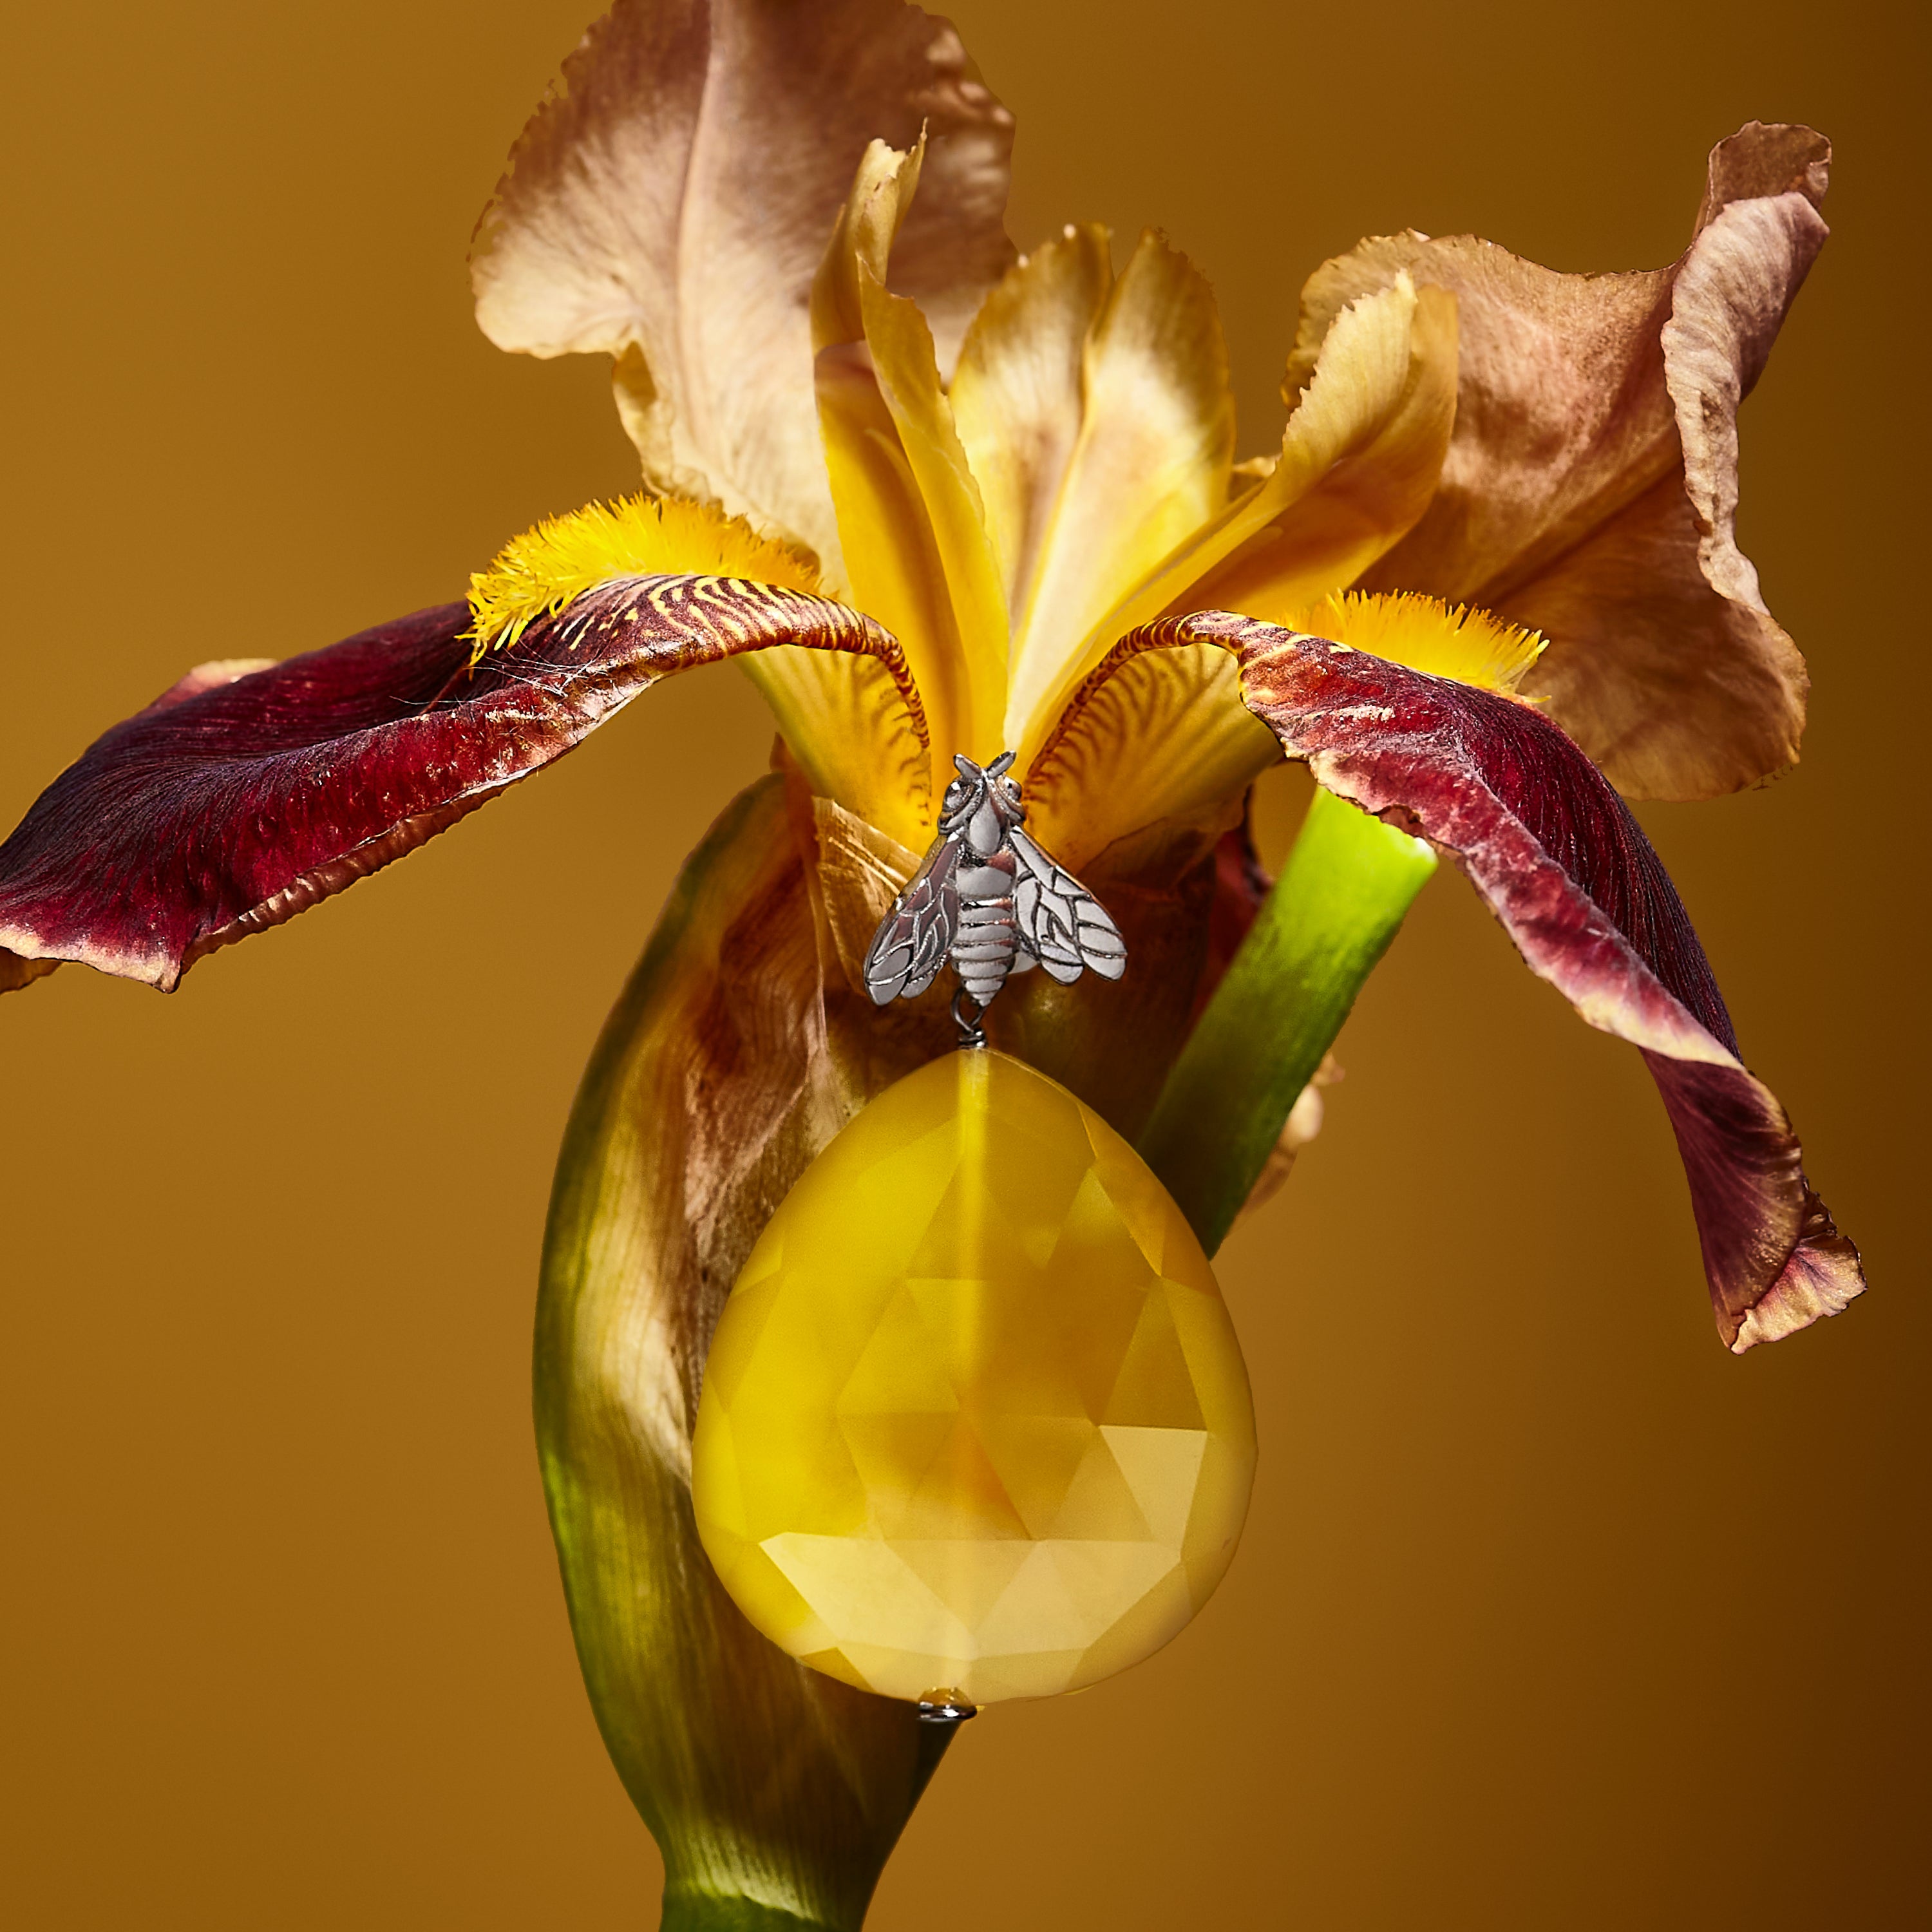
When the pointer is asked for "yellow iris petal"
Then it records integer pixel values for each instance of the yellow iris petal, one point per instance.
(1165, 740)
(907, 370)
(1076, 481)
(892, 561)
(1150, 466)
(910, 520)
(847, 726)
(1016, 394)
(1358, 459)
(1364, 494)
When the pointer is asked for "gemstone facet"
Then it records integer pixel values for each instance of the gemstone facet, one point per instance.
(974, 1415)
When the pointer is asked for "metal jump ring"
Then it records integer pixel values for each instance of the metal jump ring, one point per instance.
(971, 1032)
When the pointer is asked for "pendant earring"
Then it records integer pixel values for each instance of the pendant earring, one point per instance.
(975, 1424)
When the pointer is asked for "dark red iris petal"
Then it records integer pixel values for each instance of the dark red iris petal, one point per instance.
(1559, 859)
(1544, 779)
(232, 803)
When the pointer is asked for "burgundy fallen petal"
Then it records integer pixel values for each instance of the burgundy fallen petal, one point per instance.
(1560, 860)
(243, 795)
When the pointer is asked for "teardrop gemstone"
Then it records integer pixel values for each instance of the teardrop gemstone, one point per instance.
(974, 1418)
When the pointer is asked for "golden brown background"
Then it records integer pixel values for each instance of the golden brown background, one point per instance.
(1550, 1613)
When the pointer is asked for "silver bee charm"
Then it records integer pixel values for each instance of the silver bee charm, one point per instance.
(988, 898)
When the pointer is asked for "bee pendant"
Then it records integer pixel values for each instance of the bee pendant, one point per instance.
(988, 898)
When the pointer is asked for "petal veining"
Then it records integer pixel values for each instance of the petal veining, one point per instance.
(1167, 737)
(538, 573)
(230, 805)
(1165, 741)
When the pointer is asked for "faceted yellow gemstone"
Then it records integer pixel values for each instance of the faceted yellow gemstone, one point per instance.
(974, 1418)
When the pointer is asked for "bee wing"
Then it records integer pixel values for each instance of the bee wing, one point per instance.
(1060, 922)
(913, 939)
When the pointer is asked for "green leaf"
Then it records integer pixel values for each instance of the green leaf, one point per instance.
(1348, 883)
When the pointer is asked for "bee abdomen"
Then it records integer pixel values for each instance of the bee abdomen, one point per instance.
(983, 954)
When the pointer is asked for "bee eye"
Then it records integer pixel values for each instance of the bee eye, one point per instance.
(955, 795)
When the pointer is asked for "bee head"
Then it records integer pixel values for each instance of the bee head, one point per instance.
(979, 787)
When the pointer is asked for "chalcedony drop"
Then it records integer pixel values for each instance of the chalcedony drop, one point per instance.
(974, 1417)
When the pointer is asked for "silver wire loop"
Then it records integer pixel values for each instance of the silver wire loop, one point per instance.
(972, 1032)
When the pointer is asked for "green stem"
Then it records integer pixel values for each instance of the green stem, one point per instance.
(1348, 883)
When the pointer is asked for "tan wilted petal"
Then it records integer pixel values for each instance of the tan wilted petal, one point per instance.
(1681, 682)
(1551, 435)
(1689, 687)
(669, 202)
(1579, 396)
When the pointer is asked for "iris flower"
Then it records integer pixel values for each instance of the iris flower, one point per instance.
(938, 498)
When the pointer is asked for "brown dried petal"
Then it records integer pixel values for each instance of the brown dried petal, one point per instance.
(1587, 407)
(669, 202)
